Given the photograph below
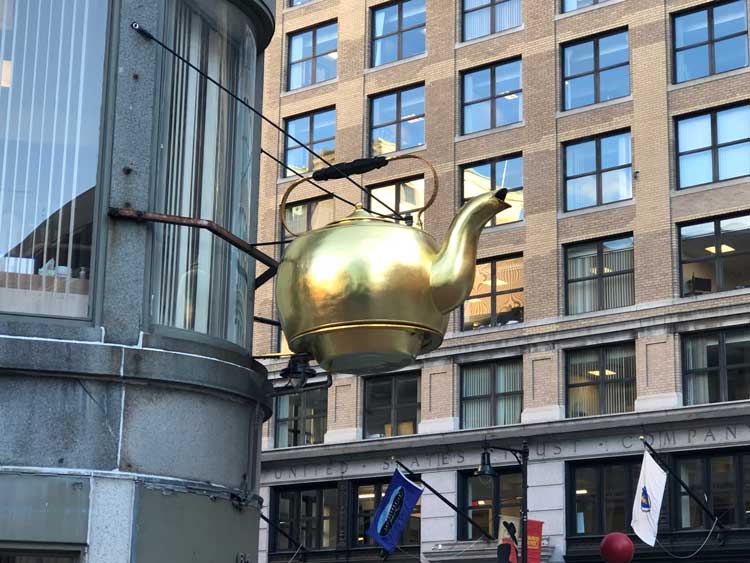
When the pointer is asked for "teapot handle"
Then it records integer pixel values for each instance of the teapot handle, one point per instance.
(420, 210)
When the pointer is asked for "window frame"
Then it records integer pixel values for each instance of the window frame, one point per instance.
(493, 290)
(493, 94)
(286, 173)
(723, 369)
(564, 11)
(493, 162)
(291, 4)
(398, 184)
(315, 55)
(493, 6)
(302, 419)
(399, 33)
(710, 42)
(600, 275)
(295, 522)
(496, 507)
(597, 70)
(399, 120)
(380, 484)
(717, 258)
(602, 383)
(715, 145)
(570, 492)
(494, 395)
(394, 405)
(598, 171)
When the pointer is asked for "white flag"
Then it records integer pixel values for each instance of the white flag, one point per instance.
(648, 497)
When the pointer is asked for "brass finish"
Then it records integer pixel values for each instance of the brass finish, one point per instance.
(367, 295)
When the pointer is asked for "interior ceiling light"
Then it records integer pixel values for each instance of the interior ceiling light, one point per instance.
(725, 248)
(596, 372)
(6, 73)
(582, 491)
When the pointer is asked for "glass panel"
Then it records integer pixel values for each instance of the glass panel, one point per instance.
(616, 497)
(729, 19)
(730, 53)
(701, 351)
(386, 194)
(698, 241)
(508, 410)
(413, 13)
(699, 278)
(300, 74)
(476, 380)
(471, 4)
(383, 139)
(509, 173)
(694, 133)
(386, 20)
(509, 308)
(734, 161)
(412, 102)
(507, 15)
(324, 125)
(477, 313)
(619, 291)
(733, 124)
(691, 28)
(613, 49)
(479, 491)
(477, 413)
(702, 387)
(301, 46)
(614, 83)
(477, 85)
(406, 420)
(384, 109)
(735, 233)
(620, 397)
(570, 5)
(200, 283)
(735, 272)
(508, 377)
(509, 274)
(477, 24)
(618, 255)
(615, 150)
(579, 91)
(738, 384)
(326, 149)
(286, 510)
(696, 169)
(582, 261)
(298, 128)
(579, 58)
(580, 192)
(321, 213)
(385, 50)
(326, 38)
(508, 77)
(586, 500)
(724, 488)
(412, 133)
(330, 518)
(412, 195)
(407, 390)
(692, 63)
(691, 471)
(738, 347)
(477, 180)
(617, 185)
(325, 67)
(515, 212)
(580, 158)
(378, 423)
(583, 366)
(316, 402)
(583, 401)
(413, 43)
(508, 109)
(378, 393)
(477, 117)
(482, 279)
(746, 484)
(366, 504)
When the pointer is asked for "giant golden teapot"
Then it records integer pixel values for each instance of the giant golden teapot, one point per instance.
(366, 294)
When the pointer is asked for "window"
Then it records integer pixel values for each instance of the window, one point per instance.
(397, 120)
(301, 418)
(491, 393)
(601, 380)
(49, 133)
(37, 557)
(715, 255)
(368, 498)
(598, 171)
(308, 515)
(199, 282)
(724, 480)
(492, 97)
(572, 5)
(489, 500)
(599, 275)
(293, 3)
(716, 366)
(596, 70)
(392, 405)
(497, 294)
(713, 146)
(398, 31)
(312, 56)
(403, 196)
(484, 17)
(601, 497)
(505, 172)
(710, 40)
(316, 131)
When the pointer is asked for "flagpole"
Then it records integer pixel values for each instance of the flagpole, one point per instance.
(446, 501)
(688, 490)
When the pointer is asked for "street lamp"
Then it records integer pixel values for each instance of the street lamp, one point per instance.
(485, 469)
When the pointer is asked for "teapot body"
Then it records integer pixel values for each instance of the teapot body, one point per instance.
(356, 295)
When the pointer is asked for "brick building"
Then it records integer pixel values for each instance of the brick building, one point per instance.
(611, 300)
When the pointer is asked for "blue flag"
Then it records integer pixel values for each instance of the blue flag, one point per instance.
(394, 511)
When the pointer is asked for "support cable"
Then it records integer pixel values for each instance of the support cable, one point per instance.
(148, 35)
(696, 552)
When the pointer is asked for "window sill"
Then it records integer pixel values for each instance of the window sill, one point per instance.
(411, 150)
(310, 87)
(743, 180)
(469, 136)
(504, 227)
(291, 9)
(713, 295)
(593, 107)
(490, 37)
(706, 79)
(485, 330)
(596, 208)
(587, 9)
(372, 69)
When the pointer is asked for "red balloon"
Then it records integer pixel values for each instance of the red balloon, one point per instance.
(617, 548)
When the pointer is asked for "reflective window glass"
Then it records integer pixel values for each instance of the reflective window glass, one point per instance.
(316, 131)
(398, 31)
(492, 97)
(485, 17)
(497, 296)
(397, 120)
(499, 173)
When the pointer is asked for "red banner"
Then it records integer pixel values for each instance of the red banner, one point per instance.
(534, 531)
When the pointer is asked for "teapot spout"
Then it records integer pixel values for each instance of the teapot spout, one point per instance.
(452, 274)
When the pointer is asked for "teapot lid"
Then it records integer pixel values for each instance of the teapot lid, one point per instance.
(359, 214)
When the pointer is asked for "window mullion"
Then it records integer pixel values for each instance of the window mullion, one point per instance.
(602, 384)
(598, 149)
(596, 70)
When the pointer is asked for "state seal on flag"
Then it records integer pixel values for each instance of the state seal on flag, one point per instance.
(645, 501)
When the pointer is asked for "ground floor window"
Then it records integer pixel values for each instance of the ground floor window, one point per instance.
(489, 501)
(37, 557)
(368, 496)
(307, 514)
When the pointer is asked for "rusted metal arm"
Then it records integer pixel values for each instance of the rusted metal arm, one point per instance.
(139, 216)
